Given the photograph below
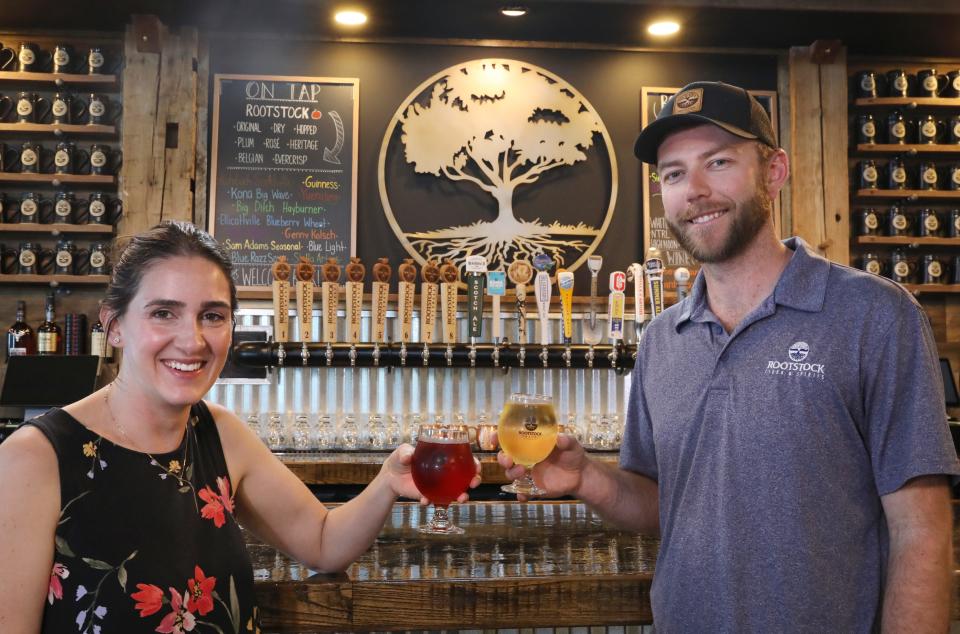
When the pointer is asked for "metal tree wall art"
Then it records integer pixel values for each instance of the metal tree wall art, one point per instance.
(496, 126)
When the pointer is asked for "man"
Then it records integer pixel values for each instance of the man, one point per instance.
(786, 433)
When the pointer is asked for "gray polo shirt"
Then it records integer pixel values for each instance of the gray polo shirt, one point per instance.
(772, 445)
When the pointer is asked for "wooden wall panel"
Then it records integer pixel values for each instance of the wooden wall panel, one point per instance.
(159, 89)
(818, 154)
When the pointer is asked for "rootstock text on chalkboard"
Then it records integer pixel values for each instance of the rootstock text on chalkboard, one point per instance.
(283, 167)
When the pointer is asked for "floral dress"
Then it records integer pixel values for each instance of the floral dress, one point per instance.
(146, 543)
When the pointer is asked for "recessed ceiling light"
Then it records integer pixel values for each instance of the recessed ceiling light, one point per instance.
(513, 11)
(350, 17)
(663, 27)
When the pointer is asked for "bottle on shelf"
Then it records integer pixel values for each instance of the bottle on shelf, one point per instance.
(49, 333)
(99, 345)
(20, 337)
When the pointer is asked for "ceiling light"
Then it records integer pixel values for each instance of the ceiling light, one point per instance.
(663, 27)
(350, 18)
(513, 11)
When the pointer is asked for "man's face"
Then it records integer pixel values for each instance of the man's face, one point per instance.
(714, 191)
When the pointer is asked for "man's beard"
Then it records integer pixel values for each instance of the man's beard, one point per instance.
(748, 218)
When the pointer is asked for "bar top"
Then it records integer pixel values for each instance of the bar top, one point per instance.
(516, 565)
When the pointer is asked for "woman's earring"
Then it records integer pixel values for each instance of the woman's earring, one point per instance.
(116, 339)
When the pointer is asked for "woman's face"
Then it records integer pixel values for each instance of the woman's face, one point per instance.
(176, 331)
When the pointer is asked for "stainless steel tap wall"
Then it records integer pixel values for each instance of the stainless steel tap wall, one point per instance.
(441, 392)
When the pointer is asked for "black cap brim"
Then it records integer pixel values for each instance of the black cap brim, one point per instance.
(650, 138)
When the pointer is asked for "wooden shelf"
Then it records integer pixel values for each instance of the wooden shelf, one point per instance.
(909, 102)
(919, 289)
(913, 194)
(907, 240)
(910, 148)
(55, 280)
(56, 179)
(56, 228)
(58, 129)
(57, 78)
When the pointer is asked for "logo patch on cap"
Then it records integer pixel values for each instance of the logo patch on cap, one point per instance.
(689, 101)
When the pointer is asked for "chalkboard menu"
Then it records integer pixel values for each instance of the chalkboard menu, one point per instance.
(283, 168)
(656, 233)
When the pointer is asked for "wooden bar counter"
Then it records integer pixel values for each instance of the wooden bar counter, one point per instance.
(517, 565)
(548, 564)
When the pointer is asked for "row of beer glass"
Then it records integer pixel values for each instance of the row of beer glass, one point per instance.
(926, 82)
(307, 433)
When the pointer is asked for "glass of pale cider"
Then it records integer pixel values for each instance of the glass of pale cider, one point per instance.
(527, 432)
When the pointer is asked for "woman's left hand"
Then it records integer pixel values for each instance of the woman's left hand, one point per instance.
(397, 468)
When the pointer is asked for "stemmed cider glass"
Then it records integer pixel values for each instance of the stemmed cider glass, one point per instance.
(527, 432)
(442, 468)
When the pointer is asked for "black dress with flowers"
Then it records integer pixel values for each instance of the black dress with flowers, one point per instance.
(145, 543)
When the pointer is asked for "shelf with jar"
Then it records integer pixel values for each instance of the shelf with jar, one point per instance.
(905, 172)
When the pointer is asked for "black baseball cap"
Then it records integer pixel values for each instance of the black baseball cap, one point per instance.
(730, 107)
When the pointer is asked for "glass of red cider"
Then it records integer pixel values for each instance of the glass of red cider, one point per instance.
(442, 469)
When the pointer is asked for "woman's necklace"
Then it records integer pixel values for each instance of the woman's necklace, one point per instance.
(177, 469)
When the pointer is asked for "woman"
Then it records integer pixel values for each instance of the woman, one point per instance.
(119, 512)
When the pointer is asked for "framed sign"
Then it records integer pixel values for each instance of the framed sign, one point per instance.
(656, 233)
(283, 171)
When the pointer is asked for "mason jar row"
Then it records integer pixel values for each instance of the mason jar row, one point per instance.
(897, 220)
(905, 267)
(64, 208)
(64, 158)
(29, 57)
(894, 174)
(896, 129)
(63, 258)
(59, 108)
(927, 82)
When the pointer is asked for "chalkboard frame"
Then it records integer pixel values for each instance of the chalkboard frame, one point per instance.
(768, 98)
(353, 82)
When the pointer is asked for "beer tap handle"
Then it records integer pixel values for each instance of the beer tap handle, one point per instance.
(682, 276)
(565, 285)
(476, 278)
(543, 290)
(592, 334)
(653, 269)
(304, 289)
(281, 299)
(330, 272)
(520, 273)
(496, 287)
(615, 310)
(635, 275)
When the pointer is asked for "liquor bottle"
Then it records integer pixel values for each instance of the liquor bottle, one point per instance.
(49, 333)
(99, 346)
(20, 338)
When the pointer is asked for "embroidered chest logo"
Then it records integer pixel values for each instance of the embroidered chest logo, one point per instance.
(797, 367)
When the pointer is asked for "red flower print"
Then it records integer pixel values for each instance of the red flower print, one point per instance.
(213, 509)
(178, 621)
(149, 599)
(215, 504)
(199, 589)
(224, 485)
(55, 589)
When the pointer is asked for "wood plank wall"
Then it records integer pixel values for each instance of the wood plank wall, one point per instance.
(818, 152)
(160, 97)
